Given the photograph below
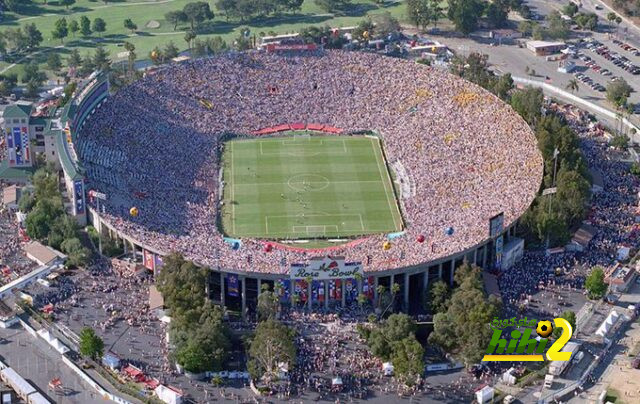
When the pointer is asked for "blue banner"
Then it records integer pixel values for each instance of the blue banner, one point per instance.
(232, 285)
(284, 288)
(78, 191)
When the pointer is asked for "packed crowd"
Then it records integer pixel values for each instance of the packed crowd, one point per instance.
(13, 262)
(468, 154)
(612, 215)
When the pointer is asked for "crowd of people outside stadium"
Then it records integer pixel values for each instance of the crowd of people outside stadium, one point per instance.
(612, 215)
(469, 155)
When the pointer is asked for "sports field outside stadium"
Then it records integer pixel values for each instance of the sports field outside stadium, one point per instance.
(301, 186)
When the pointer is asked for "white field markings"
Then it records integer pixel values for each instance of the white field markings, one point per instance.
(301, 153)
(390, 201)
(233, 202)
(338, 216)
(310, 182)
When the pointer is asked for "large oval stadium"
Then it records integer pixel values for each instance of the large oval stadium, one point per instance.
(325, 172)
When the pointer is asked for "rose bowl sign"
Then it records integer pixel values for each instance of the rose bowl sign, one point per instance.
(322, 268)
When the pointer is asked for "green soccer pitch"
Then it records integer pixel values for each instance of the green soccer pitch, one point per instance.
(307, 186)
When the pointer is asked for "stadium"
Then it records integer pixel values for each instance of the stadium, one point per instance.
(320, 173)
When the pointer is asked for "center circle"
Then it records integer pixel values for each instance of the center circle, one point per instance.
(308, 182)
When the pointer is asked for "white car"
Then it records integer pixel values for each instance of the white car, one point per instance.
(508, 399)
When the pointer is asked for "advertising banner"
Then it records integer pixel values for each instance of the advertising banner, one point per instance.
(326, 268)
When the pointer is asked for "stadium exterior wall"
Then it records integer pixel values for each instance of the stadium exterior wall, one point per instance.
(440, 269)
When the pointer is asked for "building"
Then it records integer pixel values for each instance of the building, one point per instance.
(25, 135)
(544, 48)
(10, 197)
(619, 278)
(581, 238)
(42, 254)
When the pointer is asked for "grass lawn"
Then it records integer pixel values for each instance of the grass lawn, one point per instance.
(302, 186)
(613, 396)
(143, 11)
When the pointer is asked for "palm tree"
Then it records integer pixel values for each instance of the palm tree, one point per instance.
(573, 85)
(380, 289)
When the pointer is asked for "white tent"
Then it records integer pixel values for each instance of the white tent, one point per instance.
(484, 395)
(608, 324)
(387, 369)
(623, 253)
(336, 381)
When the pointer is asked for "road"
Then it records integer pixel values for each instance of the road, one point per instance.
(627, 30)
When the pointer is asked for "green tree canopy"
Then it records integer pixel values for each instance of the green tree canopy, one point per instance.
(465, 14)
(570, 316)
(272, 343)
(91, 345)
(595, 284)
(618, 92)
(438, 297)
(462, 330)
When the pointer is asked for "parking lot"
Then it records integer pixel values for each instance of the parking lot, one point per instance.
(38, 363)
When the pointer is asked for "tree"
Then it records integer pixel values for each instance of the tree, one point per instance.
(53, 61)
(557, 27)
(572, 85)
(216, 44)
(197, 12)
(419, 12)
(570, 316)
(66, 3)
(99, 25)
(464, 14)
(34, 36)
(620, 142)
(587, 21)
(595, 285)
(178, 16)
(228, 7)
(272, 344)
(439, 295)
(408, 360)
(528, 103)
(170, 50)
(131, 56)
(27, 202)
(91, 345)
(462, 330)
(268, 304)
(386, 24)
(130, 25)
(88, 65)
(60, 30)
(32, 73)
(618, 92)
(331, 6)
(611, 16)
(634, 169)
(74, 27)
(77, 254)
(85, 26)
(101, 59)
(570, 9)
(182, 285)
(188, 37)
(203, 345)
(7, 84)
(74, 60)
(497, 12)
